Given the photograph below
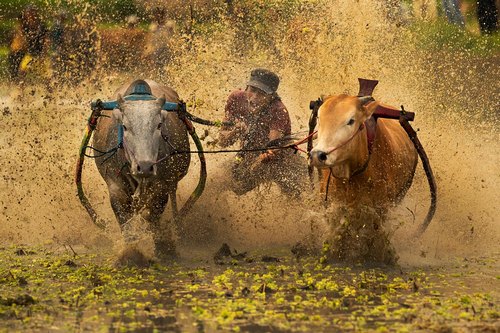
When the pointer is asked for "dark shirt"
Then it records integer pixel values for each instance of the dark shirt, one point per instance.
(272, 117)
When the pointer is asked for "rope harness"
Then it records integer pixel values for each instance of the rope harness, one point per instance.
(366, 88)
(332, 149)
(179, 108)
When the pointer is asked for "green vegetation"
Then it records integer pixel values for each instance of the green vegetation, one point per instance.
(44, 290)
(441, 35)
(6, 28)
(108, 10)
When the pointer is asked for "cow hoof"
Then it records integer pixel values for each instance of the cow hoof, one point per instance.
(165, 251)
(132, 256)
(167, 256)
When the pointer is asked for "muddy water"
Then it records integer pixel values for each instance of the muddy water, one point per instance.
(454, 95)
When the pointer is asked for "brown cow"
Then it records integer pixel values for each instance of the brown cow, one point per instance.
(360, 174)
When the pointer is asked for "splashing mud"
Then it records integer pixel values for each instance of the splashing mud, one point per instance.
(453, 94)
(447, 280)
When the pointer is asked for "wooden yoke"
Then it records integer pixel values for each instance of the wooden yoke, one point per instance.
(366, 87)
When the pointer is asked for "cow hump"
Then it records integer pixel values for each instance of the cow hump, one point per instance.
(138, 87)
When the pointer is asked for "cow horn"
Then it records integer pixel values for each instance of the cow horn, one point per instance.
(161, 100)
(366, 99)
(120, 99)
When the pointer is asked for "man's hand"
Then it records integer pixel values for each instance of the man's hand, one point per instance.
(229, 136)
(263, 158)
(266, 156)
(270, 155)
(240, 127)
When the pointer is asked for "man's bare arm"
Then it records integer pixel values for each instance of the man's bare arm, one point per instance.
(275, 134)
(271, 154)
(229, 136)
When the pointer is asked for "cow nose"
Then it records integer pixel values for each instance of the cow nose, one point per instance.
(318, 155)
(146, 168)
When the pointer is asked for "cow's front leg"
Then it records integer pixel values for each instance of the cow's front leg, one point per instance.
(173, 201)
(162, 231)
(121, 202)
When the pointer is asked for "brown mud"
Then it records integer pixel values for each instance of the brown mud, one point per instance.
(455, 97)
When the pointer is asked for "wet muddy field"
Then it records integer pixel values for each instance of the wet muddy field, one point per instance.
(60, 273)
(62, 290)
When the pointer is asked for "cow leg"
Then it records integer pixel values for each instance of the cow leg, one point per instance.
(121, 202)
(162, 232)
(173, 198)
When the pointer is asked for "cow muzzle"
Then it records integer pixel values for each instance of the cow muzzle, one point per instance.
(318, 158)
(144, 169)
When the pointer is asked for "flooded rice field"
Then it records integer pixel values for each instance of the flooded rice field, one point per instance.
(65, 290)
(60, 273)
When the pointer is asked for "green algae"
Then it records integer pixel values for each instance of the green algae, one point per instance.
(51, 291)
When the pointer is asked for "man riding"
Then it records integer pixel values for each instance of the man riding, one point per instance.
(259, 117)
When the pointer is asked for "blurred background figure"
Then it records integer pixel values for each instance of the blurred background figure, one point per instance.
(487, 15)
(122, 48)
(75, 40)
(58, 37)
(160, 45)
(28, 42)
(134, 42)
(425, 9)
(451, 9)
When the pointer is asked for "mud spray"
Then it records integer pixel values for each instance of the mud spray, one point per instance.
(455, 97)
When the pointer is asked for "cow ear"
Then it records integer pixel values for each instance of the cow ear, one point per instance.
(161, 100)
(164, 115)
(117, 115)
(369, 109)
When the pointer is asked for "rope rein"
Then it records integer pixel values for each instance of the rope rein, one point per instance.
(332, 149)
(121, 145)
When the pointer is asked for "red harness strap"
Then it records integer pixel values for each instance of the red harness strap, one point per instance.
(371, 131)
(382, 112)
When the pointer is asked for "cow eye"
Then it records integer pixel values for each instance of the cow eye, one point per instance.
(159, 126)
(350, 122)
(124, 127)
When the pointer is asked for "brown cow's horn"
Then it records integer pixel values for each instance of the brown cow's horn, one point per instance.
(366, 87)
(366, 99)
